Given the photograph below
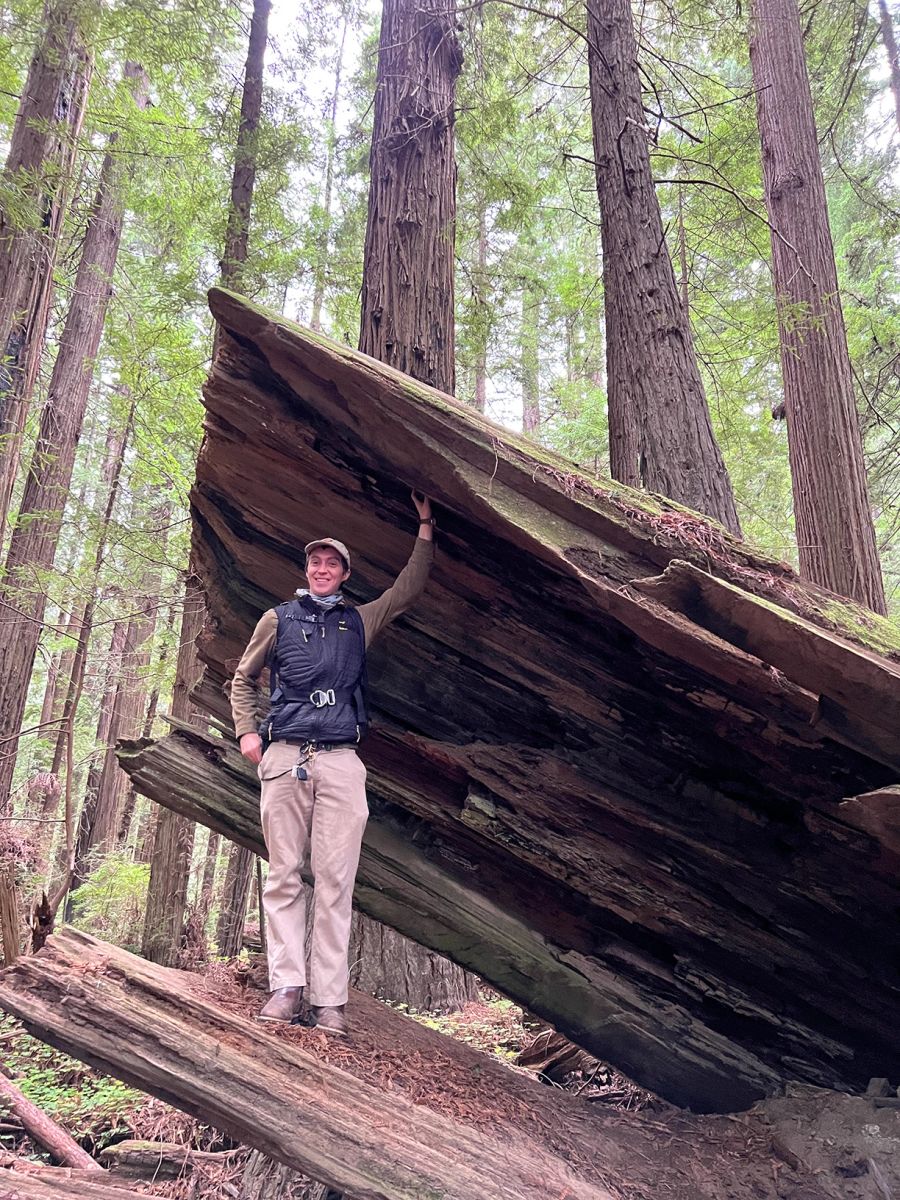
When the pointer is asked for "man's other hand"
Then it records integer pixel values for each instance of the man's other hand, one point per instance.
(251, 748)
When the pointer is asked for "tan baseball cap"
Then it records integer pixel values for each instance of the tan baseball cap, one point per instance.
(334, 544)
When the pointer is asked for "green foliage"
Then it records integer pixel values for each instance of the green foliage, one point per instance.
(93, 1108)
(111, 902)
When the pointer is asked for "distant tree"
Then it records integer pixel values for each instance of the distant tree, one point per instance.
(34, 539)
(835, 531)
(661, 436)
(34, 193)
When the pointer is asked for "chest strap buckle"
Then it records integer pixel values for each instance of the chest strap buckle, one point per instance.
(321, 698)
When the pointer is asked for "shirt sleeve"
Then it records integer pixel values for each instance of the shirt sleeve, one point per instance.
(407, 588)
(244, 688)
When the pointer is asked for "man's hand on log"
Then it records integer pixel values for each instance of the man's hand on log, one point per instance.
(251, 748)
(426, 521)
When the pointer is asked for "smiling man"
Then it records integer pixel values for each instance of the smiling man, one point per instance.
(313, 797)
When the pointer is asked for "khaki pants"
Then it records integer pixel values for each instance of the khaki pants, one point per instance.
(319, 820)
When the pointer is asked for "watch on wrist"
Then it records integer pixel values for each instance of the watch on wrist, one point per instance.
(426, 521)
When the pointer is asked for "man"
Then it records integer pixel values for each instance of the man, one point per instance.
(313, 796)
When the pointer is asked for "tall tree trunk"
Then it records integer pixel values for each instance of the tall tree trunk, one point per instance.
(386, 964)
(34, 538)
(324, 239)
(835, 532)
(38, 174)
(233, 909)
(171, 862)
(407, 293)
(661, 437)
(208, 879)
(890, 49)
(243, 181)
(529, 361)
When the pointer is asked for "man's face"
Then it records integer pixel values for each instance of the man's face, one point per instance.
(325, 572)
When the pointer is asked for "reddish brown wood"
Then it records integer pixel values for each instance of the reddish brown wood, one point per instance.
(832, 514)
(596, 797)
(660, 433)
(408, 261)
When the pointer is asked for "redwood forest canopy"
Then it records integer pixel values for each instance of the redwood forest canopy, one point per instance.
(663, 242)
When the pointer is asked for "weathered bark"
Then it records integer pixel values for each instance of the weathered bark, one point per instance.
(171, 862)
(158, 1161)
(10, 918)
(386, 964)
(34, 538)
(614, 815)
(890, 49)
(408, 260)
(834, 527)
(660, 433)
(43, 1131)
(233, 905)
(264, 1179)
(38, 173)
(324, 239)
(31, 1182)
(237, 232)
(208, 878)
(482, 1133)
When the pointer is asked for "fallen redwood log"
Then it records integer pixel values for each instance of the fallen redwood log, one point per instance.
(43, 1130)
(134, 1159)
(398, 1113)
(610, 745)
(61, 1183)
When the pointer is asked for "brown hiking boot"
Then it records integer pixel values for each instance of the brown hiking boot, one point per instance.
(283, 1005)
(330, 1018)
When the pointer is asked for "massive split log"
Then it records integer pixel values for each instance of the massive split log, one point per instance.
(611, 745)
(401, 1112)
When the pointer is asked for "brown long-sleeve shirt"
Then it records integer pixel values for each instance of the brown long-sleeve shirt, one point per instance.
(406, 589)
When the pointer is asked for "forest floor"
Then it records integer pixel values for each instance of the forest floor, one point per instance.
(846, 1143)
(100, 1111)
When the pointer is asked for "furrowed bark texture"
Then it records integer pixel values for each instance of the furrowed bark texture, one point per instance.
(660, 433)
(835, 532)
(356, 1117)
(408, 261)
(243, 180)
(171, 863)
(33, 543)
(610, 747)
(38, 171)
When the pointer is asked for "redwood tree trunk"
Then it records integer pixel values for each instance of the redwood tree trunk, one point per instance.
(834, 528)
(171, 862)
(34, 538)
(407, 291)
(661, 437)
(38, 173)
(233, 909)
(243, 180)
(386, 964)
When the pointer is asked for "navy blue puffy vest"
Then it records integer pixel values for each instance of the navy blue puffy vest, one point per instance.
(318, 671)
